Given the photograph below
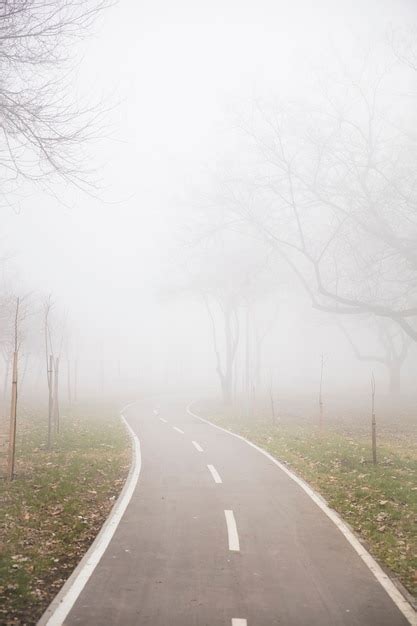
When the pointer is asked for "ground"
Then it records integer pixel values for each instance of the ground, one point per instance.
(52, 511)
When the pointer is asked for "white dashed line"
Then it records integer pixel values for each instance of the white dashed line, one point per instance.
(232, 532)
(215, 474)
(162, 420)
(238, 621)
(197, 446)
(178, 430)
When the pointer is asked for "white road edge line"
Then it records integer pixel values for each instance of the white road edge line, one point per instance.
(197, 446)
(238, 621)
(215, 474)
(163, 420)
(396, 596)
(178, 430)
(63, 602)
(232, 531)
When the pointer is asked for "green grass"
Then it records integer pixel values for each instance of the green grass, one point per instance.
(52, 511)
(379, 502)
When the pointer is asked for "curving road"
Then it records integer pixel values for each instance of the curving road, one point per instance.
(216, 535)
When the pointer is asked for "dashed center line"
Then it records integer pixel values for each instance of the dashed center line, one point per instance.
(238, 621)
(197, 446)
(232, 531)
(162, 420)
(178, 430)
(215, 474)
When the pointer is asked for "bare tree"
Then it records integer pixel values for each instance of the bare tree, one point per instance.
(13, 408)
(42, 126)
(18, 317)
(334, 193)
(227, 306)
(395, 344)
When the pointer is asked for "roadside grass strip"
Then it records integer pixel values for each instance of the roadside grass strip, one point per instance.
(52, 511)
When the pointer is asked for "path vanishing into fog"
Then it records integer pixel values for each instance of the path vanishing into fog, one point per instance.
(217, 535)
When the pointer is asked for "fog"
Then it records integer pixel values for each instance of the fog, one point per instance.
(190, 229)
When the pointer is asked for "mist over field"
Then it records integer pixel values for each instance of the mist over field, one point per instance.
(209, 207)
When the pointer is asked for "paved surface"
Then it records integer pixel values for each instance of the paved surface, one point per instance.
(177, 559)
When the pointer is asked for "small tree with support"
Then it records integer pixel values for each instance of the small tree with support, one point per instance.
(13, 407)
(373, 420)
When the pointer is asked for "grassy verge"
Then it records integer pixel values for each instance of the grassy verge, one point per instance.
(379, 503)
(53, 510)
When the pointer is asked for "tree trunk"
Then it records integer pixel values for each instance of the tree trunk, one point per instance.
(394, 379)
(226, 386)
(227, 378)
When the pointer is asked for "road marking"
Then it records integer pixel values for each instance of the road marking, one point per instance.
(384, 580)
(63, 602)
(232, 531)
(178, 430)
(238, 621)
(215, 474)
(162, 420)
(197, 446)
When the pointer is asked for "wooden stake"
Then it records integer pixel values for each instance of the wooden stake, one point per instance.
(373, 421)
(13, 407)
(13, 413)
(50, 400)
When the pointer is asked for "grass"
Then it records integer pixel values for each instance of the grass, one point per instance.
(379, 502)
(52, 511)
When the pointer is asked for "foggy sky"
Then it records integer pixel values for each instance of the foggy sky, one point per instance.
(172, 73)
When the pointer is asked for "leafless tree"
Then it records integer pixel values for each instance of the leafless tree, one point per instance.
(13, 408)
(41, 124)
(228, 309)
(20, 314)
(334, 193)
(54, 337)
(395, 346)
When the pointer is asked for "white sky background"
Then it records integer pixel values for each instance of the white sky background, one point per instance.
(176, 69)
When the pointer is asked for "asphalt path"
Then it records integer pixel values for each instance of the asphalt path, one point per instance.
(215, 534)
